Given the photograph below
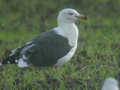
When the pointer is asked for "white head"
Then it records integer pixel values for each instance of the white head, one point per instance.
(110, 84)
(69, 15)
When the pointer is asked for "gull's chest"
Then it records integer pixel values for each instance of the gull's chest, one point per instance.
(70, 32)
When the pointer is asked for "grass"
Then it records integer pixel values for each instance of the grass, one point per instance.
(97, 58)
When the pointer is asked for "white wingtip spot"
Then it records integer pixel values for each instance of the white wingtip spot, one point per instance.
(22, 63)
(16, 61)
(8, 62)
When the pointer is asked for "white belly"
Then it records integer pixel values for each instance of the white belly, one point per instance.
(67, 57)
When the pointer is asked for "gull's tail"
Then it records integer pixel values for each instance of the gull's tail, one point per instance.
(11, 57)
(14, 56)
(110, 84)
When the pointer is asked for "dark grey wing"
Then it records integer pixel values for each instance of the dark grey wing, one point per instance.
(46, 49)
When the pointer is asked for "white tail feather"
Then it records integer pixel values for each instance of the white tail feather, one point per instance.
(22, 63)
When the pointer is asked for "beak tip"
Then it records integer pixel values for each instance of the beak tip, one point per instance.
(85, 17)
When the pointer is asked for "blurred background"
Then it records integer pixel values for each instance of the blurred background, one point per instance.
(34, 16)
(98, 52)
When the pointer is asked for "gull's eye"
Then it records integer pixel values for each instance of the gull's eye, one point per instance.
(70, 13)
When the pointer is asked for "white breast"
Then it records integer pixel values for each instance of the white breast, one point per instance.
(69, 31)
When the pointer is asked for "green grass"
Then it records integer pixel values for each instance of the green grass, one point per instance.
(97, 58)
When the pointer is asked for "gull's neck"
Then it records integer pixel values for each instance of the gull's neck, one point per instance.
(68, 30)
